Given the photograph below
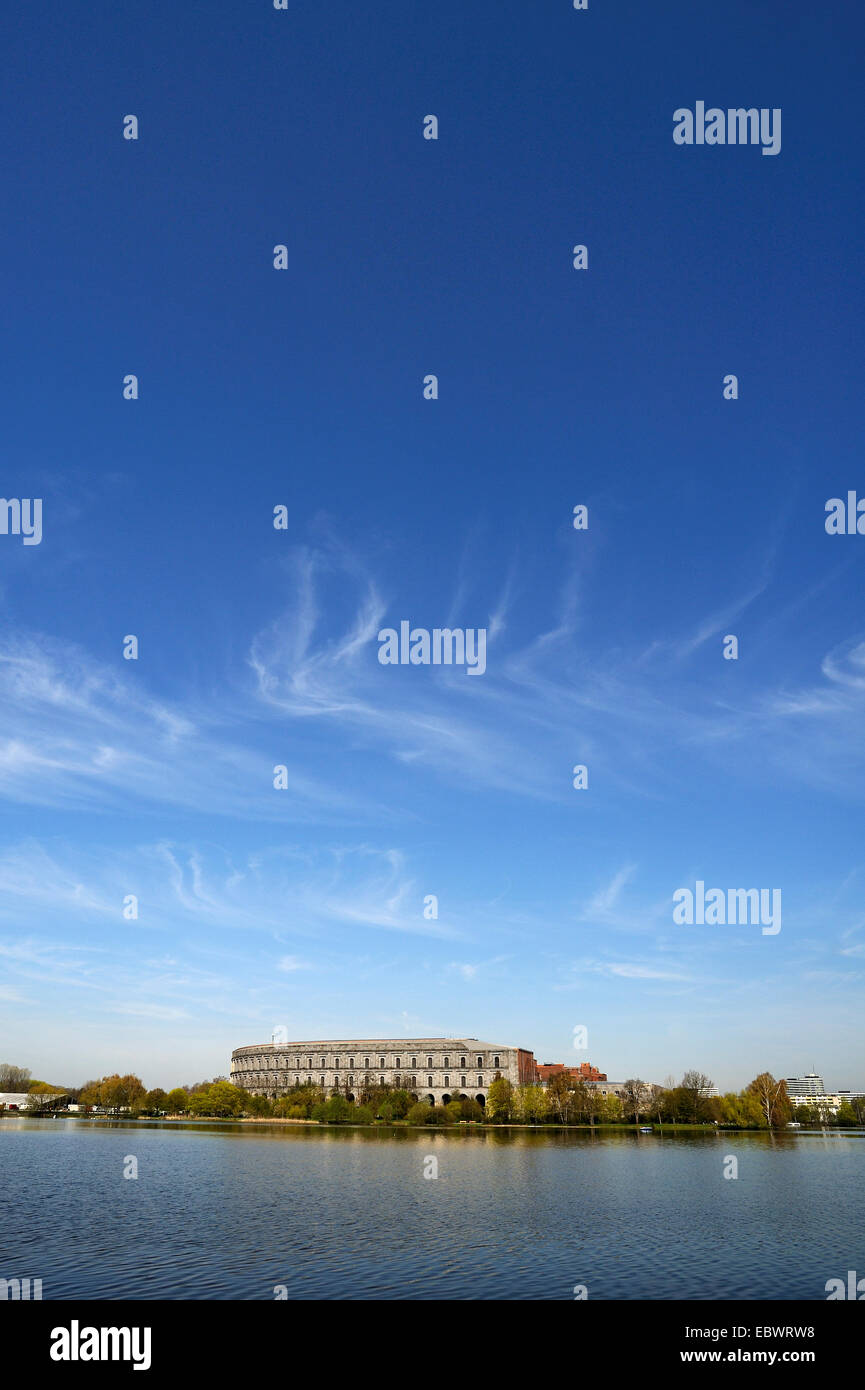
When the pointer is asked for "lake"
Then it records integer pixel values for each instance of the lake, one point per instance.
(232, 1211)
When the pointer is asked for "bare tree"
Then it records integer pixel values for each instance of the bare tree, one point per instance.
(14, 1079)
(698, 1088)
(636, 1098)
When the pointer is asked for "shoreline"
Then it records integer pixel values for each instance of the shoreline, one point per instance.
(474, 1127)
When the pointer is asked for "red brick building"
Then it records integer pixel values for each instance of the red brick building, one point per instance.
(584, 1072)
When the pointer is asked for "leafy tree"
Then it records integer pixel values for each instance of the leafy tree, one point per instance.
(531, 1104)
(42, 1096)
(302, 1098)
(421, 1114)
(613, 1110)
(472, 1110)
(500, 1099)
(155, 1100)
(857, 1105)
(337, 1110)
(200, 1103)
(561, 1096)
(226, 1099)
(772, 1095)
(258, 1105)
(401, 1102)
(593, 1102)
(177, 1101)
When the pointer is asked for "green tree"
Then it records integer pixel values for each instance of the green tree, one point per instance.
(594, 1103)
(561, 1096)
(531, 1104)
(611, 1110)
(155, 1100)
(337, 1110)
(421, 1114)
(200, 1103)
(472, 1110)
(177, 1101)
(226, 1099)
(44, 1097)
(500, 1100)
(401, 1102)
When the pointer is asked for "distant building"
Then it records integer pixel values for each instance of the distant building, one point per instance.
(435, 1069)
(825, 1104)
(13, 1100)
(804, 1087)
(584, 1072)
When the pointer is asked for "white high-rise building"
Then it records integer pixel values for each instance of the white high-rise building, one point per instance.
(803, 1087)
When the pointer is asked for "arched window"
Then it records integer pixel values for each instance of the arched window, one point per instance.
(309, 1064)
(351, 1081)
(381, 1061)
(447, 1064)
(447, 1081)
(414, 1061)
(397, 1064)
(366, 1061)
(382, 1081)
(429, 1063)
(323, 1062)
(429, 1081)
(480, 1081)
(336, 1065)
(322, 1080)
(351, 1064)
(480, 1061)
(462, 1061)
(413, 1082)
(496, 1061)
(462, 1081)
(297, 1081)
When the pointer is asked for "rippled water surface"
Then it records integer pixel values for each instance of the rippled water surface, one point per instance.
(232, 1211)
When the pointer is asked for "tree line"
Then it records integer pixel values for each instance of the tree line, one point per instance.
(565, 1100)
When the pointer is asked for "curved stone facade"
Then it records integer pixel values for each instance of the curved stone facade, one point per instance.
(437, 1069)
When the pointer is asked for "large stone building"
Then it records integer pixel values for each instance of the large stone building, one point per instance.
(437, 1069)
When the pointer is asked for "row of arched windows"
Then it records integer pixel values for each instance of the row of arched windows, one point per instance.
(272, 1062)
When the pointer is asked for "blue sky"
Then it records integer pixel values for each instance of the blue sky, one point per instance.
(258, 647)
